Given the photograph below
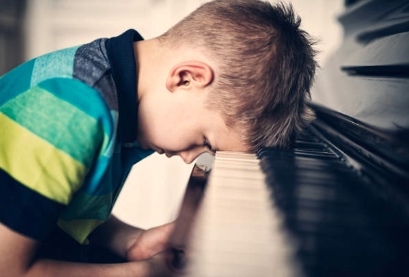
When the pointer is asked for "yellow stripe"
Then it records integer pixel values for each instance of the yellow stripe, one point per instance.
(79, 229)
(37, 164)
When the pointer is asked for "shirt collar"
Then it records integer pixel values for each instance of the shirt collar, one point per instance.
(124, 72)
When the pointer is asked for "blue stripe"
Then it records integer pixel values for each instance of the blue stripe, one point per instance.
(106, 176)
(93, 183)
(15, 82)
(56, 64)
(110, 148)
(109, 173)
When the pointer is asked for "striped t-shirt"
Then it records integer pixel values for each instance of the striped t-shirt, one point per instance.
(68, 137)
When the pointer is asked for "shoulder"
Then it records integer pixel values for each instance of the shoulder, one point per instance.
(55, 117)
(51, 135)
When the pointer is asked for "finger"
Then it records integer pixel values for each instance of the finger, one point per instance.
(177, 259)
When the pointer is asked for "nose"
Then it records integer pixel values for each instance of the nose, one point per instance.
(189, 156)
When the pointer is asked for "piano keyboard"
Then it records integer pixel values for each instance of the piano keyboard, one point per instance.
(236, 231)
(301, 212)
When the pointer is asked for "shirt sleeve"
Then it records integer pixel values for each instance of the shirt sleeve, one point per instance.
(50, 136)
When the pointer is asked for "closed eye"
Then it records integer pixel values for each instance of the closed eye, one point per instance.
(208, 146)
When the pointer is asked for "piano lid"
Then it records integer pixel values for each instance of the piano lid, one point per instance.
(368, 77)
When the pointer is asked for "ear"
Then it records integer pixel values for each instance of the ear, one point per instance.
(189, 74)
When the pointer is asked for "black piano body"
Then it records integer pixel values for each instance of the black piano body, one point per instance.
(343, 190)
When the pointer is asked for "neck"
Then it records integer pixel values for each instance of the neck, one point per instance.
(149, 64)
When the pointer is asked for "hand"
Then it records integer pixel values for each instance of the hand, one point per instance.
(167, 263)
(148, 243)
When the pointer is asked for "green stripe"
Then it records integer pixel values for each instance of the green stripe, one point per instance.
(84, 98)
(85, 206)
(37, 164)
(79, 229)
(58, 122)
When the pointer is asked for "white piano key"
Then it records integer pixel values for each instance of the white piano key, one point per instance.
(237, 230)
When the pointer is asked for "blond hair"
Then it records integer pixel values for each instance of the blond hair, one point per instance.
(265, 67)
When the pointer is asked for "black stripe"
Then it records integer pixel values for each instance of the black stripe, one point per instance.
(26, 211)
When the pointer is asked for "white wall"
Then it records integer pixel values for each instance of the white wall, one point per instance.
(154, 189)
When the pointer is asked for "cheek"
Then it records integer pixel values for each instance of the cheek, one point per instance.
(164, 136)
(166, 129)
(148, 128)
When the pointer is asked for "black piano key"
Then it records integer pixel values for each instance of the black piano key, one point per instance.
(341, 228)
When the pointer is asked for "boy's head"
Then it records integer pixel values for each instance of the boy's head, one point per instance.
(263, 67)
(234, 74)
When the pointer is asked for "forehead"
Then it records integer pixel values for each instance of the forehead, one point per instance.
(220, 136)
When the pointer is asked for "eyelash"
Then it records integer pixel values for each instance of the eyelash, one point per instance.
(207, 145)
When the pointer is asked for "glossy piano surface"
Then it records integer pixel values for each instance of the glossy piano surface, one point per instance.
(344, 222)
(367, 77)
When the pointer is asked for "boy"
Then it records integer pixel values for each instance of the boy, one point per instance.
(233, 75)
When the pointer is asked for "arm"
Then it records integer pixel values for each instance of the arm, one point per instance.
(46, 152)
(132, 243)
(21, 250)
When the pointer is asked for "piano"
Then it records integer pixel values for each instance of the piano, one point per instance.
(337, 204)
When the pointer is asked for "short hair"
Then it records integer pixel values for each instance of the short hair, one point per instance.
(264, 67)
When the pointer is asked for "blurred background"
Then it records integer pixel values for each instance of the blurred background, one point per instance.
(28, 28)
